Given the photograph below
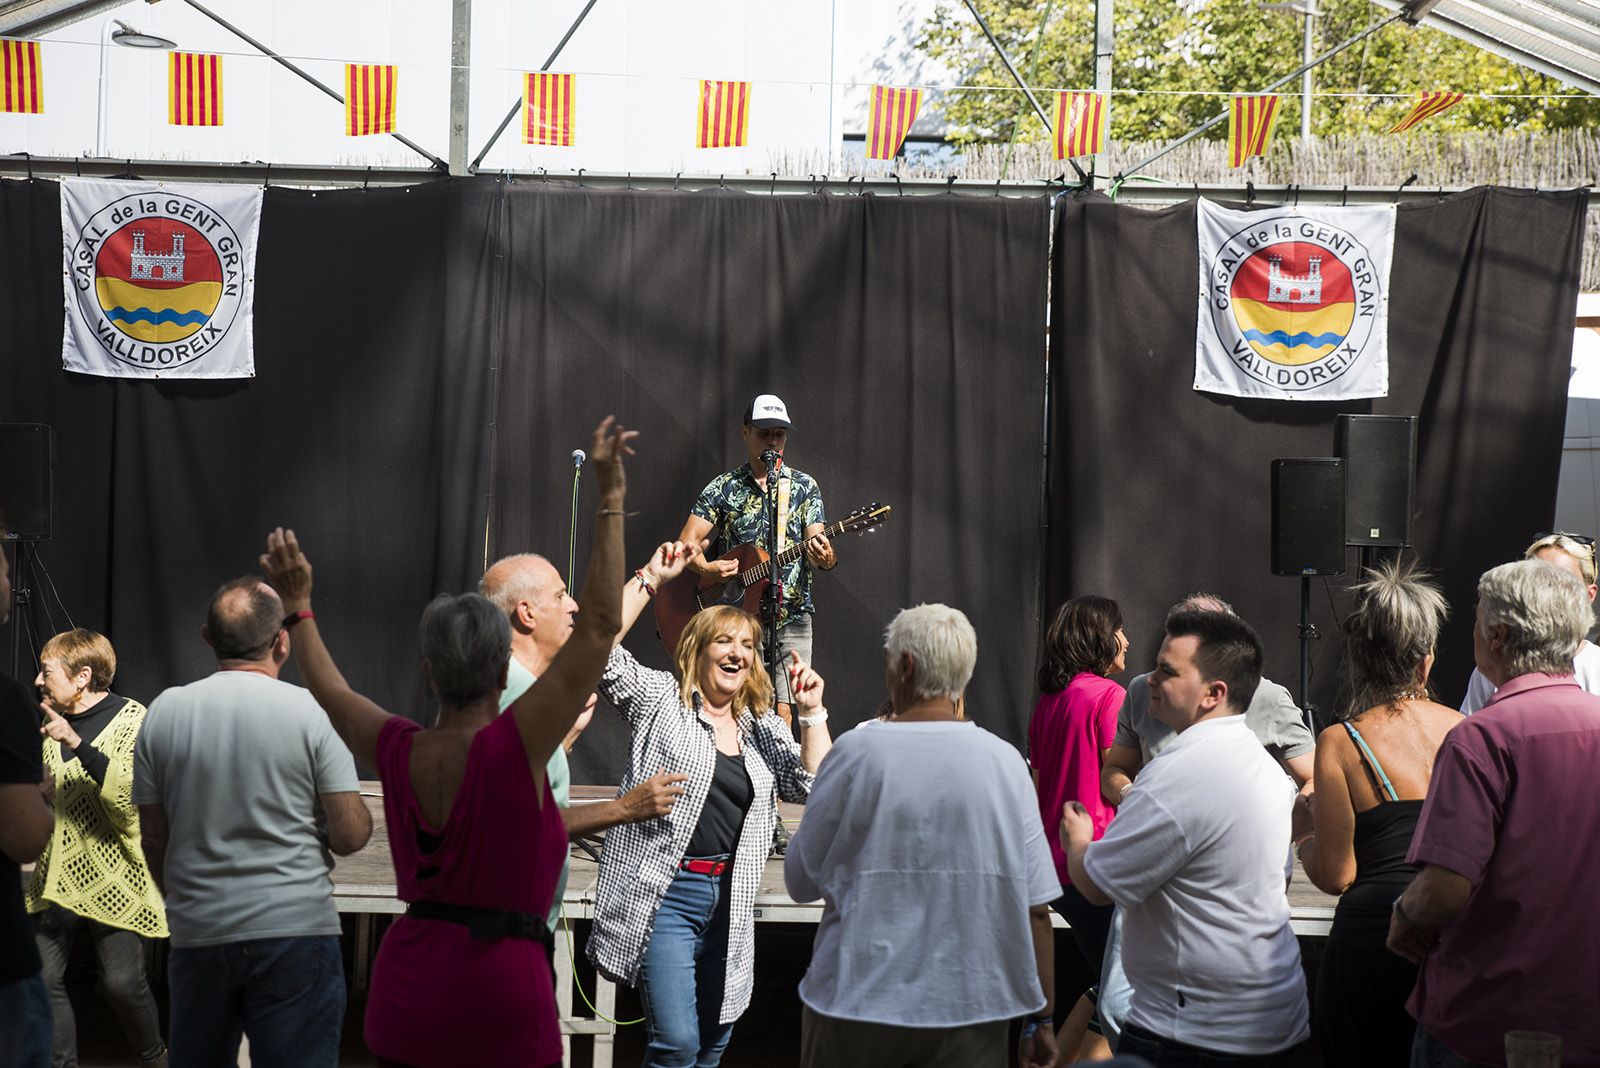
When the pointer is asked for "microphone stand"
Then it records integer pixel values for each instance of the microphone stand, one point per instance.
(773, 598)
(572, 529)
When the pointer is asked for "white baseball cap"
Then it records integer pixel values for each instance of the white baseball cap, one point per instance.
(767, 411)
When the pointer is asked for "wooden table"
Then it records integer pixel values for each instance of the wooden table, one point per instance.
(363, 884)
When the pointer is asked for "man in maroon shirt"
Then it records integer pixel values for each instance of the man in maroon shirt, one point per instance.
(1501, 915)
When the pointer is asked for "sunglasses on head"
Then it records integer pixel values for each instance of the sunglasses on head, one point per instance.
(1582, 539)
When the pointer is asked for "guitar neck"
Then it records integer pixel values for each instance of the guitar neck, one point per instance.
(786, 557)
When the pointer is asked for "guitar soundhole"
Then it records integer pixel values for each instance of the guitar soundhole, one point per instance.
(728, 593)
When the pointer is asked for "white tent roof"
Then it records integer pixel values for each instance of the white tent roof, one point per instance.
(1560, 38)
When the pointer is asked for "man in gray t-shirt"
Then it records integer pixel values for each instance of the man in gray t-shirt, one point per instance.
(244, 790)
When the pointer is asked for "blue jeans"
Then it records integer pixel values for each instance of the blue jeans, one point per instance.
(1429, 1052)
(1170, 1053)
(25, 1023)
(681, 976)
(287, 994)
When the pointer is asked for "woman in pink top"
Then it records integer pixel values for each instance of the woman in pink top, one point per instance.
(1072, 727)
(474, 831)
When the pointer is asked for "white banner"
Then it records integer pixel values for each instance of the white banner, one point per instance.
(1294, 302)
(159, 278)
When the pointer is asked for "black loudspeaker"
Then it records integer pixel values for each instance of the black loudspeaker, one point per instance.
(27, 467)
(1380, 470)
(1308, 516)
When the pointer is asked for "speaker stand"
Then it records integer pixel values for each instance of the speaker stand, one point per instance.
(20, 595)
(1308, 634)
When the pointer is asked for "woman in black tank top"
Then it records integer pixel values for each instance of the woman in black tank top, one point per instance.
(1372, 774)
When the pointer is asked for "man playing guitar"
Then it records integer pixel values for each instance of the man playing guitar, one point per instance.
(731, 510)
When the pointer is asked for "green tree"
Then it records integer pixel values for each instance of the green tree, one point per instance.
(1184, 57)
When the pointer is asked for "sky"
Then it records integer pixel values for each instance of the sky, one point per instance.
(638, 62)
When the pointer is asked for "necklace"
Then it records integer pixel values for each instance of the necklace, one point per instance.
(1408, 695)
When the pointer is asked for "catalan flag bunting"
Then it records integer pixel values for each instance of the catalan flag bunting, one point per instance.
(194, 89)
(1080, 124)
(24, 77)
(369, 98)
(893, 112)
(547, 110)
(1250, 122)
(1427, 106)
(724, 118)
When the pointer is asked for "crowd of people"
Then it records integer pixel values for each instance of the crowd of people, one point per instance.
(1161, 821)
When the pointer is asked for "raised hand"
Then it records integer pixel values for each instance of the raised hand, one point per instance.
(668, 561)
(58, 729)
(806, 685)
(287, 570)
(611, 443)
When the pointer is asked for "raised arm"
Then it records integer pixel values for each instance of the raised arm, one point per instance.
(552, 705)
(357, 719)
(815, 739)
(664, 565)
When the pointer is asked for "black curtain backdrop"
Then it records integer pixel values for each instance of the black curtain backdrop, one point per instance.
(905, 335)
(428, 358)
(1156, 490)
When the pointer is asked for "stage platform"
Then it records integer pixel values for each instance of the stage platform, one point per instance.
(363, 884)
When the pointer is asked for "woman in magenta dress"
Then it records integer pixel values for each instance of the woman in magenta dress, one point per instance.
(476, 837)
(1073, 724)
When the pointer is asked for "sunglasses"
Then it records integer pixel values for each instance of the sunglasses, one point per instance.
(1581, 539)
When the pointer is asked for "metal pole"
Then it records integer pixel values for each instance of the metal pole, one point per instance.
(460, 83)
(1285, 80)
(1305, 79)
(1105, 32)
(100, 109)
(270, 54)
(972, 7)
(498, 130)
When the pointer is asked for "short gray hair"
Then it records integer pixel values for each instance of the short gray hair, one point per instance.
(466, 641)
(1545, 611)
(1200, 601)
(943, 648)
(513, 579)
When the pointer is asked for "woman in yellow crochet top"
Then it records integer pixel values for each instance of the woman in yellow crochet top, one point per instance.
(92, 879)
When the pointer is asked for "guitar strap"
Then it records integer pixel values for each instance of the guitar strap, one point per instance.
(783, 513)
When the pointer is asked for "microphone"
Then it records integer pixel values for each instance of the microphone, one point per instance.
(770, 458)
(578, 456)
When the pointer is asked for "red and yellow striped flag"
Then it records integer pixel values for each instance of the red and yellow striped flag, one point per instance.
(1080, 124)
(547, 110)
(1427, 106)
(24, 77)
(194, 89)
(893, 113)
(724, 118)
(1249, 127)
(369, 98)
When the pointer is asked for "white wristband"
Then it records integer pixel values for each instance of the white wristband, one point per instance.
(813, 721)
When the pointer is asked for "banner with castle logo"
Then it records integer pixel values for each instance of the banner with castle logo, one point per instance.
(1294, 302)
(159, 278)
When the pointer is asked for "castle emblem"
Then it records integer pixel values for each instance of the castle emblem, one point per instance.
(168, 266)
(1294, 289)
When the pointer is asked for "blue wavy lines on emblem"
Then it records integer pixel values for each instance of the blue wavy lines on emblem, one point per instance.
(1281, 337)
(165, 315)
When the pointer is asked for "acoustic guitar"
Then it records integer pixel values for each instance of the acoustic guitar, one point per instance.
(679, 600)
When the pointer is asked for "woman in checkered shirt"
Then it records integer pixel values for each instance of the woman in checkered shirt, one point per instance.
(674, 907)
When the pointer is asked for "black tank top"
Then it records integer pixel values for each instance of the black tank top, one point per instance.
(1382, 839)
(722, 818)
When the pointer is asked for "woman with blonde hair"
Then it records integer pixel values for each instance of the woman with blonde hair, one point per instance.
(92, 879)
(1372, 773)
(674, 907)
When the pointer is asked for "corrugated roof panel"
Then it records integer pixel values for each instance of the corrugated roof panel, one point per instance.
(1560, 38)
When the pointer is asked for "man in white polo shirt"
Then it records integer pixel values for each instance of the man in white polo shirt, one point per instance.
(1198, 860)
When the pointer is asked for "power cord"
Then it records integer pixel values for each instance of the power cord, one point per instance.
(572, 956)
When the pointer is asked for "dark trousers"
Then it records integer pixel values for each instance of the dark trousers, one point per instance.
(1089, 924)
(122, 982)
(1168, 1053)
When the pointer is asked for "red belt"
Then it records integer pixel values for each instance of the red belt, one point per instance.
(703, 867)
